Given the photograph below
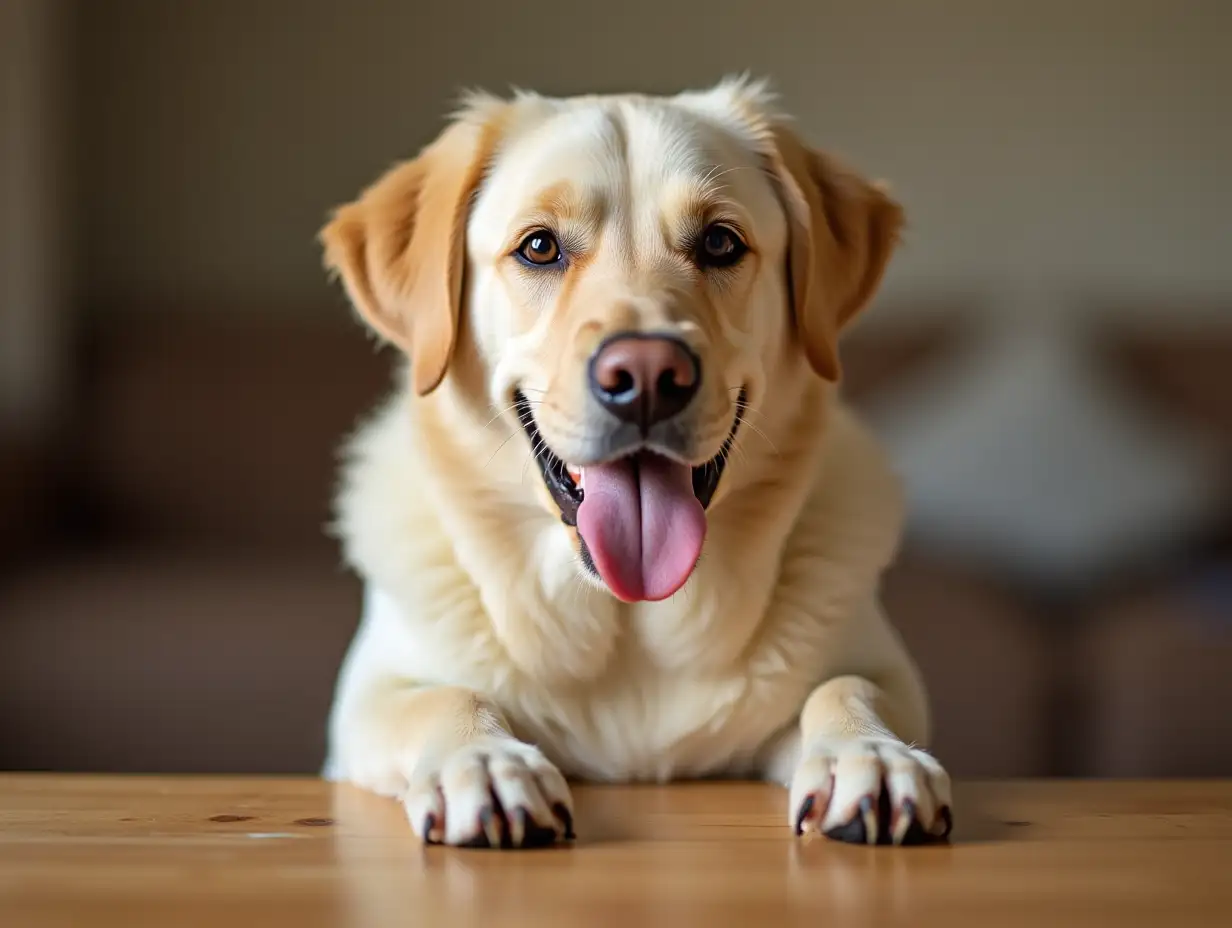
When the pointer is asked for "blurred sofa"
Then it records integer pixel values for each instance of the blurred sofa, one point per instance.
(171, 601)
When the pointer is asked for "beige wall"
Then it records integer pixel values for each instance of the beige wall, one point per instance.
(1047, 151)
(35, 281)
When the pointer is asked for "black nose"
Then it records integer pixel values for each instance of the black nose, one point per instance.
(644, 379)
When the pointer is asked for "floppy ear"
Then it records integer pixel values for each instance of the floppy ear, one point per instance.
(843, 231)
(401, 247)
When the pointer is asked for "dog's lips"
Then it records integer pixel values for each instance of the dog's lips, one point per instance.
(564, 489)
(642, 529)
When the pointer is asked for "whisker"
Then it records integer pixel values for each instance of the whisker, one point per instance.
(498, 450)
(756, 412)
(510, 408)
(725, 453)
(737, 445)
(747, 410)
(582, 589)
(539, 445)
(571, 591)
(764, 436)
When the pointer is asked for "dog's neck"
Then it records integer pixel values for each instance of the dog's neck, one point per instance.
(555, 624)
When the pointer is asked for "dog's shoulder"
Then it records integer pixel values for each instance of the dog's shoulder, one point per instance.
(853, 514)
(383, 514)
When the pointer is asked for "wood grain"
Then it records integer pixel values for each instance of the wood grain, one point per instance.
(185, 852)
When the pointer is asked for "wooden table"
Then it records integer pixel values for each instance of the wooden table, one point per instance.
(183, 852)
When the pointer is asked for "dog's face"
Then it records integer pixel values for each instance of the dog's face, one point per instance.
(635, 275)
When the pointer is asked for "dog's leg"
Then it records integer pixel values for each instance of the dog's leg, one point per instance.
(851, 777)
(450, 756)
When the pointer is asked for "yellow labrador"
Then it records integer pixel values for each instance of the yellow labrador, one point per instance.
(616, 525)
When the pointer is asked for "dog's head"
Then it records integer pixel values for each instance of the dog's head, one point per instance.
(634, 277)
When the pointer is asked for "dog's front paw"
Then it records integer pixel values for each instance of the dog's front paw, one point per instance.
(495, 792)
(870, 791)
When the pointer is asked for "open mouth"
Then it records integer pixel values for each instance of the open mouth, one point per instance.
(641, 518)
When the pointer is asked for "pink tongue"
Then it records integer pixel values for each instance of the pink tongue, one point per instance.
(642, 524)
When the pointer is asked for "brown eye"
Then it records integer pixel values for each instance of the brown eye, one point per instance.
(720, 246)
(539, 248)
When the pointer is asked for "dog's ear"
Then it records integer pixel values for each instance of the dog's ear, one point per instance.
(400, 248)
(843, 231)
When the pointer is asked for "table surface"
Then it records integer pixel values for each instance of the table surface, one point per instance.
(189, 851)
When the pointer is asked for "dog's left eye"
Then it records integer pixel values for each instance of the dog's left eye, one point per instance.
(540, 248)
(720, 246)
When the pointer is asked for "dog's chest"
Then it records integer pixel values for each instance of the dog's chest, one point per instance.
(643, 723)
(665, 703)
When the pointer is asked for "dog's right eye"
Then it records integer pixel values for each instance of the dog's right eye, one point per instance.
(540, 248)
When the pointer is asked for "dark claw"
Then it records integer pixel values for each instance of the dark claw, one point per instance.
(497, 812)
(566, 820)
(805, 808)
(480, 839)
(853, 831)
(534, 834)
(850, 833)
(885, 816)
(915, 833)
(520, 820)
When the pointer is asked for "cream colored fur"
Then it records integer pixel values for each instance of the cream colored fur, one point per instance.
(487, 662)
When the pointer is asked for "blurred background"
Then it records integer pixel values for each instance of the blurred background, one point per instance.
(1050, 361)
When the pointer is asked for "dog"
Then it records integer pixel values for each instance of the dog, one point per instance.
(615, 522)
